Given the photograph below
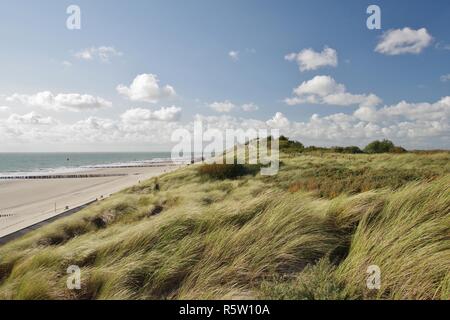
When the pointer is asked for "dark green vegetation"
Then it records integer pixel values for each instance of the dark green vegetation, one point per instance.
(384, 146)
(225, 171)
(309, 232)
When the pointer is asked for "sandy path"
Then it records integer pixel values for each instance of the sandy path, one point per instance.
(26, 202)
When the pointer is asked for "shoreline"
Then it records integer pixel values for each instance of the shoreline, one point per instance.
(28, 202)
(85, 173)
(63, 172)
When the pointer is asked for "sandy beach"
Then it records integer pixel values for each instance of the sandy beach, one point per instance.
(26, 202)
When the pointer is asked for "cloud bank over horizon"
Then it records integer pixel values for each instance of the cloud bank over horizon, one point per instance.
(414, 125)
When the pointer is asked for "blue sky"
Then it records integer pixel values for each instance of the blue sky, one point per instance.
(187, 45)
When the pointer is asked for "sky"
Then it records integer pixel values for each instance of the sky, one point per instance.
(135, 71)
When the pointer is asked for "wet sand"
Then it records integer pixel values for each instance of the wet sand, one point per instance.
(24, 203)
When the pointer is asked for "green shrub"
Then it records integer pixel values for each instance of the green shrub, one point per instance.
(384, 146)
(289, 146)
(398, 150)
(226, 171)
(350, 150)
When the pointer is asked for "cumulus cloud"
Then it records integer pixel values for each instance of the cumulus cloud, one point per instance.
(137, 115)
(223, 122)
(401, 41)
(411, 124)
(278, 121)
(224, 106)
(404, 111)
(325, 90)
(145, 87)
(411, 128)
(445, 77)
(167, 114)
(308, 59)
(60, 101)
(102, 53)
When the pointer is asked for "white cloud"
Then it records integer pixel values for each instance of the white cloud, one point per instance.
(31, 118)
(234, 55)
(406, 40)
(420, 125)
(94, 131)
(445, 77)
(224, 106)
(325, 90)
(60, 101)
(102, 53)
(321, 86)
(96, 123)
(4, 108)
(145, 87)
(223, 122)
(67, 64)
(416, 125)
(167, 114)
(308, 59)
(249, 107)
(278, 121)
(413, 125)
(404, 111)
(138, 115)
(347, 99)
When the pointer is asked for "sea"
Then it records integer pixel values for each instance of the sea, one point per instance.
(48, 163)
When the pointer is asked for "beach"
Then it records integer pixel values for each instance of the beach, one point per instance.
(26, 202)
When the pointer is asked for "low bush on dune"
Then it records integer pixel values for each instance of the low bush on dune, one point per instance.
(291, 147)
(226, 171)
(383, 146)
(350, 150)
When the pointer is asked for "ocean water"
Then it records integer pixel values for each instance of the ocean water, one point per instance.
(42, 163)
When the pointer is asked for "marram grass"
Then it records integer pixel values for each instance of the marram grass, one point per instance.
(309, 232)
